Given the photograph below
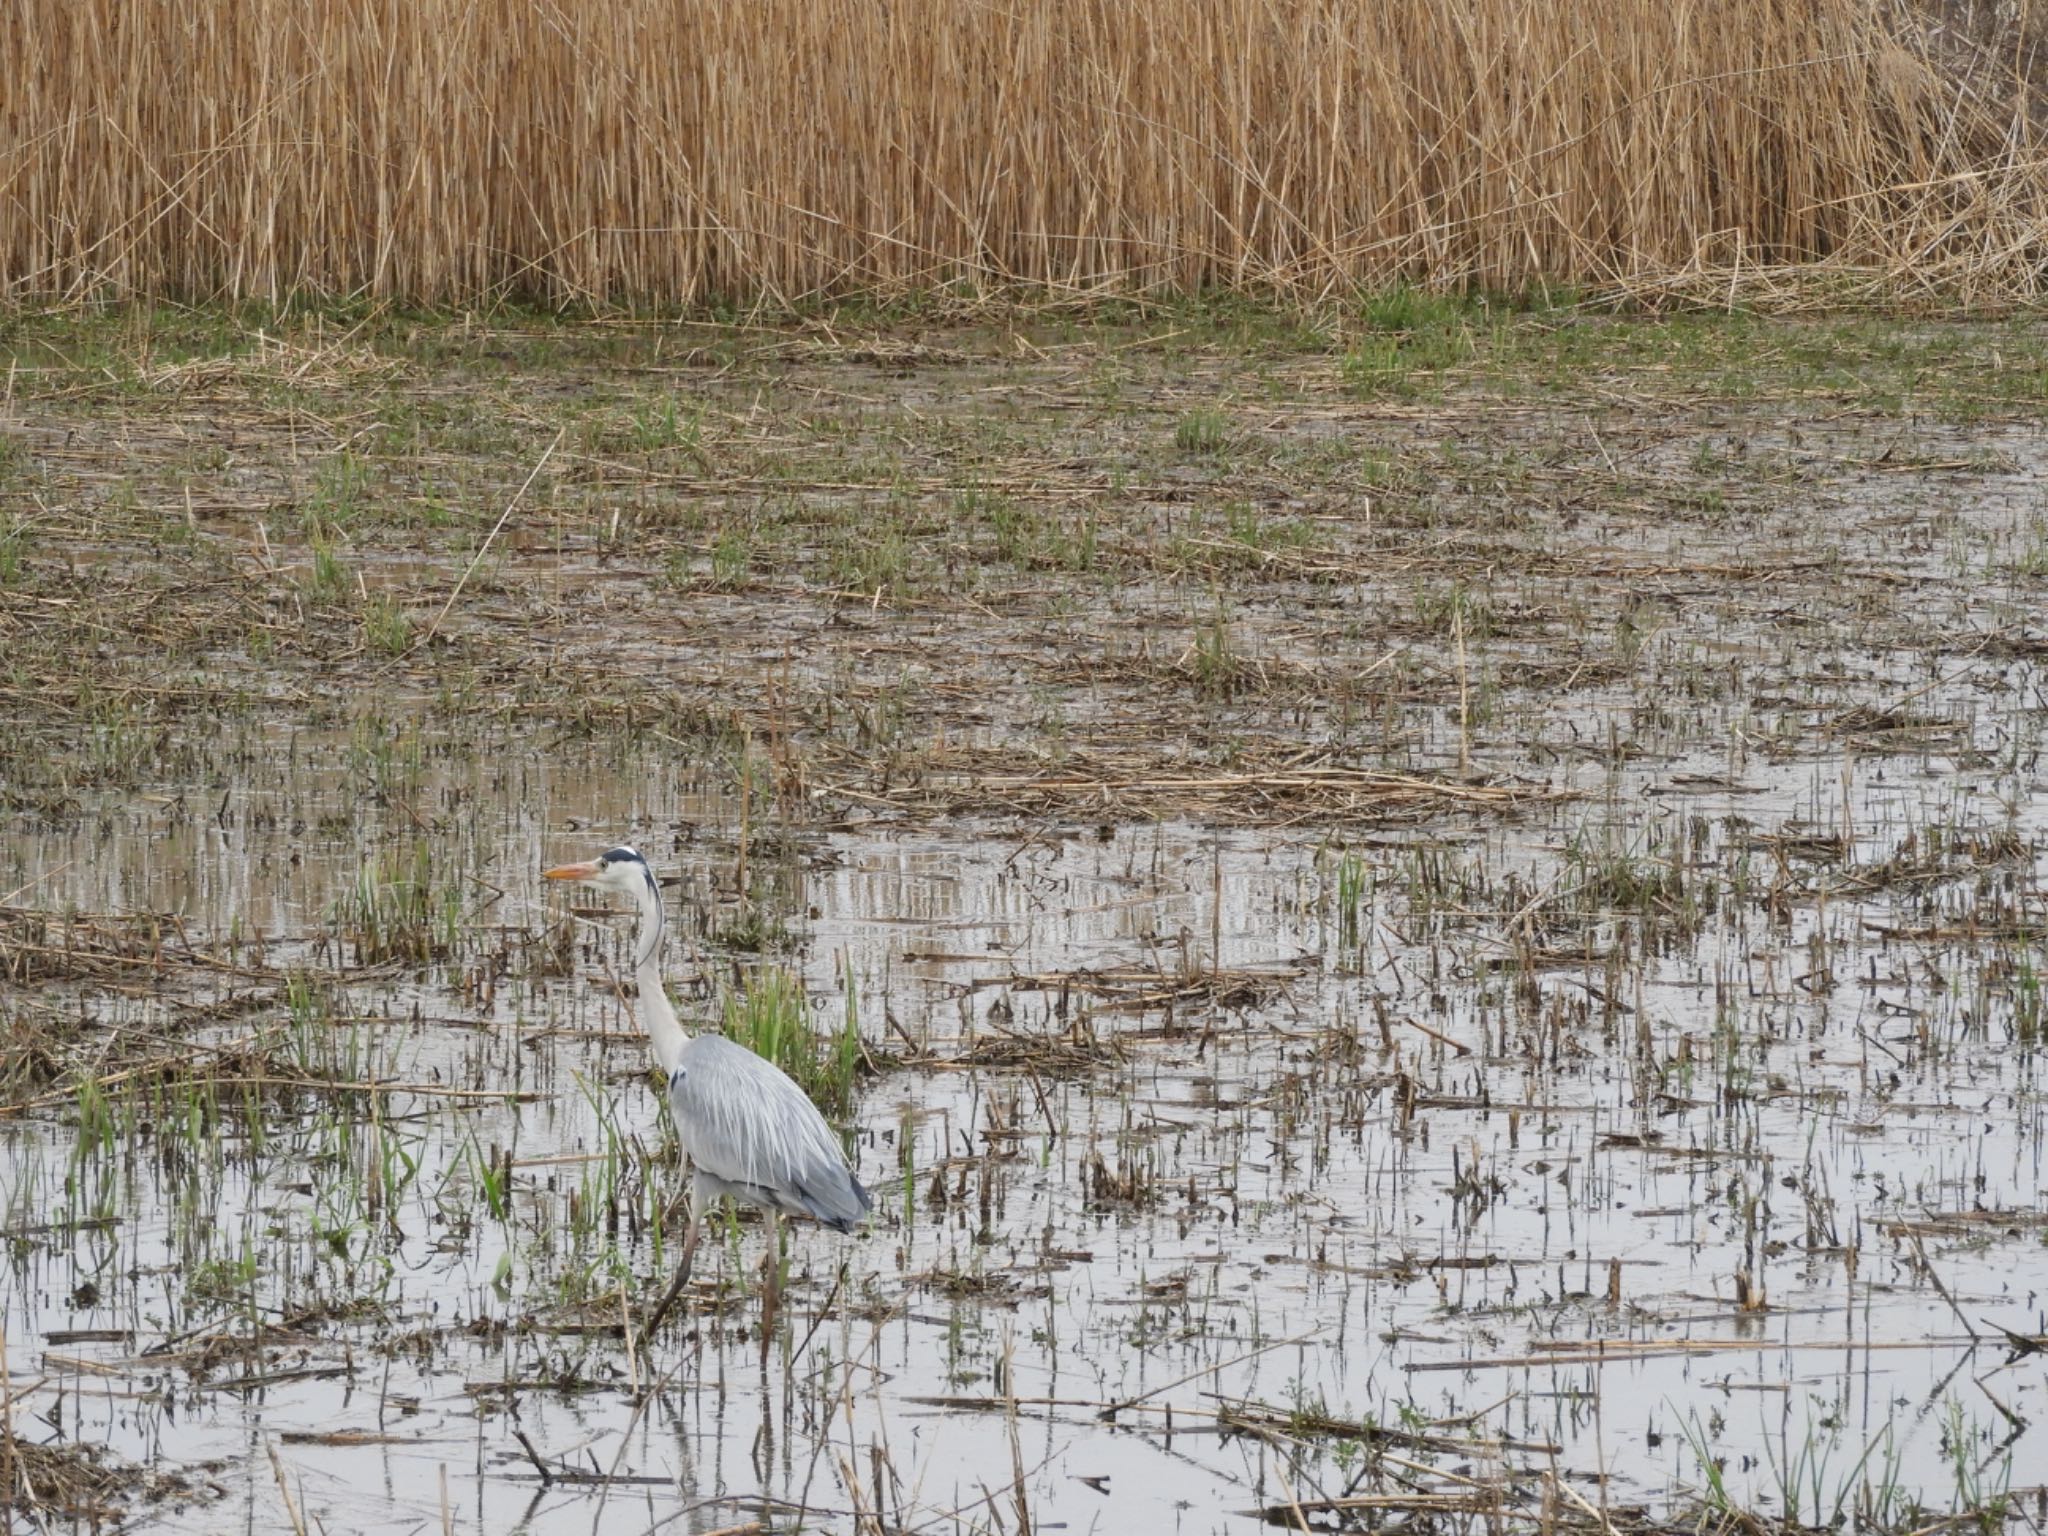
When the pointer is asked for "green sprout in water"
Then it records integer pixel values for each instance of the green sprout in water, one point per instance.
(1203, 430)
(395, 911)
(387, 627)
(329, 577)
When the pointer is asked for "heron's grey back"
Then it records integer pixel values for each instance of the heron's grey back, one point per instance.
(742, 1119)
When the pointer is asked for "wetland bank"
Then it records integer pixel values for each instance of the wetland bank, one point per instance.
(1421, 916)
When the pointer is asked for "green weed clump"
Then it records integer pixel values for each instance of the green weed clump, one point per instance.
(396, 910)
(769, 1014)
(387, 627)
(1203, 431)
(13, 545)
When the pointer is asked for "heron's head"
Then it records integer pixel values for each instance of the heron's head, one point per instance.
(616, 869)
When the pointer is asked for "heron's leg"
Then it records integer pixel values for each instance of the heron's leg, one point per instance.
(771, 1281)
(675, 1289)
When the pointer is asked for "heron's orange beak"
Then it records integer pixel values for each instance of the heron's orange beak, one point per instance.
(585, 871)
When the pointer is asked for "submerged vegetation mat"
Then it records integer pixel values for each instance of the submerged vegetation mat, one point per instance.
(1422, 915)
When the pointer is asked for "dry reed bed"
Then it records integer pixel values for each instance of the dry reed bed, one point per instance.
(647, 151)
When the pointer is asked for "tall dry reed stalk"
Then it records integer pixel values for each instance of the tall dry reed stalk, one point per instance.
(672, 151)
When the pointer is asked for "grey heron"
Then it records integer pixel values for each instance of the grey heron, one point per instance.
(747, 1129)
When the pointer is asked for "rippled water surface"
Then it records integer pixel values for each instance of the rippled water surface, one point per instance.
(1538, 1020)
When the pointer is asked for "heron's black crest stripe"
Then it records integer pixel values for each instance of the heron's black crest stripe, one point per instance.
(620, 856)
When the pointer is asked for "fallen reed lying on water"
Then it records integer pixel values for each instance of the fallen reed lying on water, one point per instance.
(1286, 791)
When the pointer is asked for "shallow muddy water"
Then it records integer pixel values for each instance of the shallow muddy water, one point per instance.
(1518, 1220)
(1478, 1007)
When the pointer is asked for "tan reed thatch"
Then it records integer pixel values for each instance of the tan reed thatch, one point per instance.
(672, 151)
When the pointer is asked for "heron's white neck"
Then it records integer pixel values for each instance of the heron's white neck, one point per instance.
(657, 1017)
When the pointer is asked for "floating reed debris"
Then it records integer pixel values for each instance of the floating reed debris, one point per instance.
(1291, 791)
(86, 1484)
(644, 151)
(1067, 1055)
(40, 946)
(1306, 1423)
(1140, 989)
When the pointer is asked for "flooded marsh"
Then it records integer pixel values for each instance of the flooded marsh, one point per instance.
(1432, 923)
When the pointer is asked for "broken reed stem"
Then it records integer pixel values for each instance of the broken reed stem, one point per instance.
(485, 547)
(1216, 911)
(303, 1084)
(739, 874)
(10, 1459)
(284, 1490)
(1556, 1480)
(637, 151)
(1464, 699)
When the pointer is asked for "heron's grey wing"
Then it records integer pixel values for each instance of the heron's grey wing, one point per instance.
(742, 1120)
